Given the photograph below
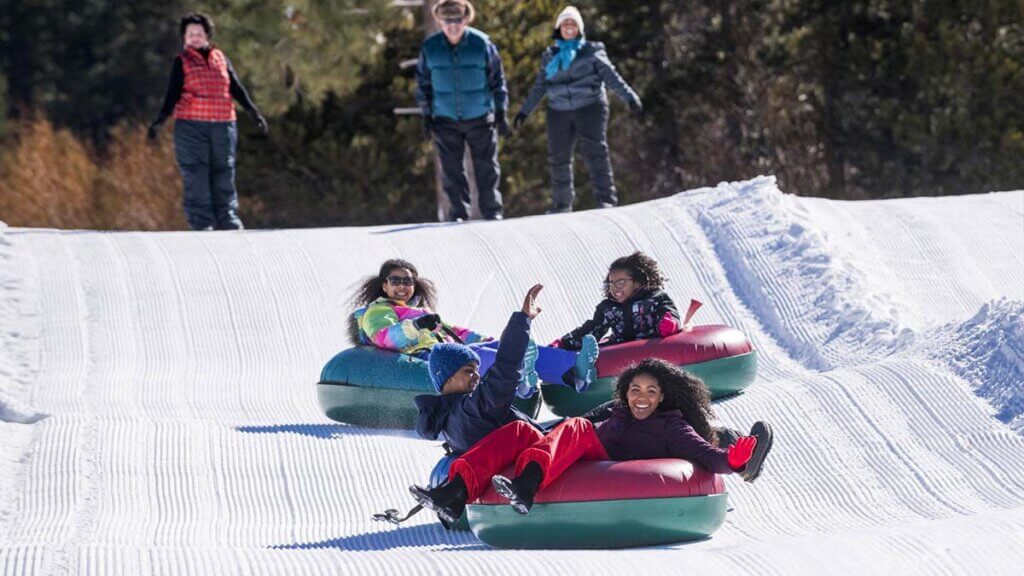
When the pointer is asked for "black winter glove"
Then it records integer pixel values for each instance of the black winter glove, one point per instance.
(501, 119)
(260, 121)
(637, 108)
(518, 120)
(428, 321)
(600, 413)
(428, 128)
(154, 130)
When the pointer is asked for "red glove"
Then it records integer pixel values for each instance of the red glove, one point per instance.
(740, 452)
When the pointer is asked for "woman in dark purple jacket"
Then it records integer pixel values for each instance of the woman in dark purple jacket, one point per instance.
(662, 412)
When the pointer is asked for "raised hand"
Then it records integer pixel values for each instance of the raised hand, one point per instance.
(530, 307)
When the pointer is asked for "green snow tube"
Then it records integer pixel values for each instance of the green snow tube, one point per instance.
(608, 505)
(372, 387)
(721, 356)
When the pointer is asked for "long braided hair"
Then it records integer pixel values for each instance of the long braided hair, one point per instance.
(683, 391)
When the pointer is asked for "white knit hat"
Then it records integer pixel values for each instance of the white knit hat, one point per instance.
(570, 13)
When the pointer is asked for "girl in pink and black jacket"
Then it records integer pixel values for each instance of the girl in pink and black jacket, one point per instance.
(635, 306)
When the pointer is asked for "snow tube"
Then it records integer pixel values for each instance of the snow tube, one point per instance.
(608, 505)
(721, 356)
(372, 387)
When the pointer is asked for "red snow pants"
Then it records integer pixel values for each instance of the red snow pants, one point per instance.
(521, 443)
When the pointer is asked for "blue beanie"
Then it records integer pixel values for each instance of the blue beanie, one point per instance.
(446, 358)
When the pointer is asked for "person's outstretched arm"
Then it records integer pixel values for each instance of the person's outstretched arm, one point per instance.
(606, 70)
(174, 87)
(684, 442)
(538, 90)
(497, 390)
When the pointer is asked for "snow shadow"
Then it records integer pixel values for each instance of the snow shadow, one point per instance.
(323, 431)
(417, 227)
(405, 537)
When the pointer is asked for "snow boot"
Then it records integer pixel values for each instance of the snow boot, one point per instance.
(522, 489)
(763, 433)
(586, 363)
(727, 436)
(529, 381)
(448, 499)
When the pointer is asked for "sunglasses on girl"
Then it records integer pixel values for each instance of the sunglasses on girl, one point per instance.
(618, 283)
(401, 280)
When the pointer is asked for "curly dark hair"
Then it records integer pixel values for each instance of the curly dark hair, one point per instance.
(683, 391)
(196, 18)
(641, 268)
(371, 288)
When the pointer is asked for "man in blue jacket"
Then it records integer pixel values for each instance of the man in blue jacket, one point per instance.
(463, 97)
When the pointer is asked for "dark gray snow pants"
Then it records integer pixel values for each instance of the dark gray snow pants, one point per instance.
(590, 125)
(206, 157)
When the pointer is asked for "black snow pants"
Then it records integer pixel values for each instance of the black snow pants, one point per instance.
(590, 125)
(206, 157)
(450, 138)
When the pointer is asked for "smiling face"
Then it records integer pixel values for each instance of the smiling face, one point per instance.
(621, 285)
(643, 396)
(400, 284)
(195, 36)
(569, 29)
(464, 381)
(453, 28)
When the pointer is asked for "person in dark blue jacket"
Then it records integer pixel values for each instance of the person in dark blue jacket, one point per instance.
(462, 94)
(573, 75)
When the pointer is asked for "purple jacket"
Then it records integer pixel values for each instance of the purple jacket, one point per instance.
(660, 435)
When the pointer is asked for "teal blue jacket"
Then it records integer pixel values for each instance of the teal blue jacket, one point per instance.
(461, 82)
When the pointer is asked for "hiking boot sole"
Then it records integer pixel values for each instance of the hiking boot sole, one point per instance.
(765, 439)
(504, 487)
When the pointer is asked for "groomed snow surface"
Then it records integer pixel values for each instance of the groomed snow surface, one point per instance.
(158, 413)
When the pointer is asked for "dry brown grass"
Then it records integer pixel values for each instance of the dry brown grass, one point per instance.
(50, 179)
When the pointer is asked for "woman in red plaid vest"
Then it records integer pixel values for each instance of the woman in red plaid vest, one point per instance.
(202, 86)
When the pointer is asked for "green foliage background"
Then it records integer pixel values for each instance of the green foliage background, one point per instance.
(854, 99)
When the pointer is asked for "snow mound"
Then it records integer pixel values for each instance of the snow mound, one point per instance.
(817, 304)
(988, 352)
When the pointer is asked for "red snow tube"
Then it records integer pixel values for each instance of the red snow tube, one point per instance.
(720, 355)
(608, 505)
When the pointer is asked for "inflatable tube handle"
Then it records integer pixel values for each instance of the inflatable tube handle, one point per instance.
(694, 306)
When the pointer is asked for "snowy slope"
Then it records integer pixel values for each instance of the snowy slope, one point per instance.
(158, 413)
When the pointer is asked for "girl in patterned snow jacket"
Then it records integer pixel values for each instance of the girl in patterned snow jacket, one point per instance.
(395, 312)
(635, 306)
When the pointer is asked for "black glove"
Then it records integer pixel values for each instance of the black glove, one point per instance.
(428, 128)
(154, 130)
(600, 413)
(637, 108)
(260, 121)
(501, 119)
(428, 321)
(518, 120)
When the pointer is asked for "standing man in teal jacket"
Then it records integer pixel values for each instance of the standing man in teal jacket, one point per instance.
(462, 94)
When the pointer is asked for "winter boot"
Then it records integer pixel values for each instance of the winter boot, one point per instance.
(586, 363)
(763, 433)
(557, 209)
(727, 436)
(448, 499)
(529, 381)
(522, 489)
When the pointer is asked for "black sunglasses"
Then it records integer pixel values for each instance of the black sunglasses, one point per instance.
(401, 280)
(454, 20)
